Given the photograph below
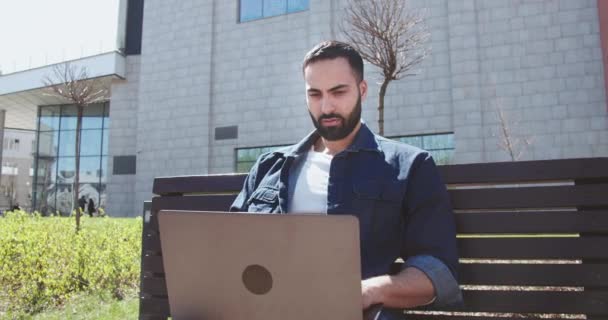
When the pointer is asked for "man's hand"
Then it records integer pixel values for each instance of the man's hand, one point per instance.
(371, 290)
(410, 288)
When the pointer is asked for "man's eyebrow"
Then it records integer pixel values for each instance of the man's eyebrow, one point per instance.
(338, 87)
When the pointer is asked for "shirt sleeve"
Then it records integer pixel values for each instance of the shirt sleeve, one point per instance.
(447, 291)
(429, 238)
(241, 203)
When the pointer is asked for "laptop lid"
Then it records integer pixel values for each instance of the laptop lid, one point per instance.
(259, 266)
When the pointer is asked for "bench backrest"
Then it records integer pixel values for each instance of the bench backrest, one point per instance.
(532, 236)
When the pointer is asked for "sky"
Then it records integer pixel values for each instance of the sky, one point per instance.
(34, 33)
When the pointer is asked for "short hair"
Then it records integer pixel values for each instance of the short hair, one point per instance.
(329, 50)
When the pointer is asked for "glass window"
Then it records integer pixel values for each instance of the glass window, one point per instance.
(297, 5)
(106, 123)
(102, 172)
(257, 9)
(90, 143)
(102, 195)
(414, 141)
(47, 171)
(92, 116)
(438, 141)
(442, 156)
(66, 170)
(67, 139)
(63, 198)
(251, 10)
(55, 159)
(89, 191)
(106, 115)
(89, 170)
(49, 118)
(69, 116)
(48, 143)
(246, 157)
(274, 7)
(440, 146)
(104, 143)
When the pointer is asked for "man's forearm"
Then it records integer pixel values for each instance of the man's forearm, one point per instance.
(409, 288)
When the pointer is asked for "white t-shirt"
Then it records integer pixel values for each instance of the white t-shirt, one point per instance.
(308, 184)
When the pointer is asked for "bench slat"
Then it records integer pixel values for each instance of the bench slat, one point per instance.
(412, 316)
(498, 198)
(151, 307)
(592, 247)
(533, 222)
(511, 222)
(567, 275)
(198, 184)
(487, 222)
(153, 264)
(494, 198)
(555, 275)
(531, 197)
(510, 172)
(199, 202)
(501, 172)
(154, 286)
(590, 302)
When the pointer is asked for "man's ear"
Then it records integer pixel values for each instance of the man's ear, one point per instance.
(363, 89)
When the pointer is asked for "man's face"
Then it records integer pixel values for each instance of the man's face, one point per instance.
(334, 97)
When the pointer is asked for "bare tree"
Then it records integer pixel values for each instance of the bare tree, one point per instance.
(389, 37)
(515, 146)
(74, 85)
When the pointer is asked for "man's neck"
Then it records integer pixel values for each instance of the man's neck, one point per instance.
(334, 147)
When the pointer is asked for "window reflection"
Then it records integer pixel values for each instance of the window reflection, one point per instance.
(90, 142)
(48, 143)
(49, 118)
(55, 157)
(67, 139)
(440, 146)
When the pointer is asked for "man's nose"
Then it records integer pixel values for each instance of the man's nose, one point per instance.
(327, 106)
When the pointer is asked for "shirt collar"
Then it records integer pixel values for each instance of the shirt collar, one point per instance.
(365, 140)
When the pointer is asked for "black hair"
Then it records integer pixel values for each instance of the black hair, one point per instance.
(329, 50)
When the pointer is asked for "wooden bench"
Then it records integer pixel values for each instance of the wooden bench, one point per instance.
(533, 237)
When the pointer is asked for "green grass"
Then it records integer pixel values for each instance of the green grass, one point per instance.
(48, 271)
(87, 307)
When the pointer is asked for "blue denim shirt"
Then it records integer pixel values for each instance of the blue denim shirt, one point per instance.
(395, 191)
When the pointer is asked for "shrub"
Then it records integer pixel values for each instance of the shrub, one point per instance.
(43, 261)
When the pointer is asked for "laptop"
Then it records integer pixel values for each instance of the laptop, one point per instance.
(230, 266)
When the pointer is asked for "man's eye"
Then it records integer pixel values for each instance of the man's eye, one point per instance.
(314, 94)
(339, 93)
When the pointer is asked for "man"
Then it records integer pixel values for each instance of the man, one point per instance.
(82, 202)
(343, 168)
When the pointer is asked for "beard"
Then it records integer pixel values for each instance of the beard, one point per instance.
(341, 131)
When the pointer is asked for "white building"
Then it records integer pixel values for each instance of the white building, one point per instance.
(209, 84)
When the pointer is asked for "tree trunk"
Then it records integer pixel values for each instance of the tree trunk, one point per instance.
(381, 95)
(76, 188)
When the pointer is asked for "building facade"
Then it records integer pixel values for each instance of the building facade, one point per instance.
(17, 169)
(210, 84)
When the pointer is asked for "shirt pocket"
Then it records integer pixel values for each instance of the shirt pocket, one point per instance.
(264, 200)
(380, 210)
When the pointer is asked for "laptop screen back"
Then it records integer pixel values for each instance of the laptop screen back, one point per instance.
(258, 266)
